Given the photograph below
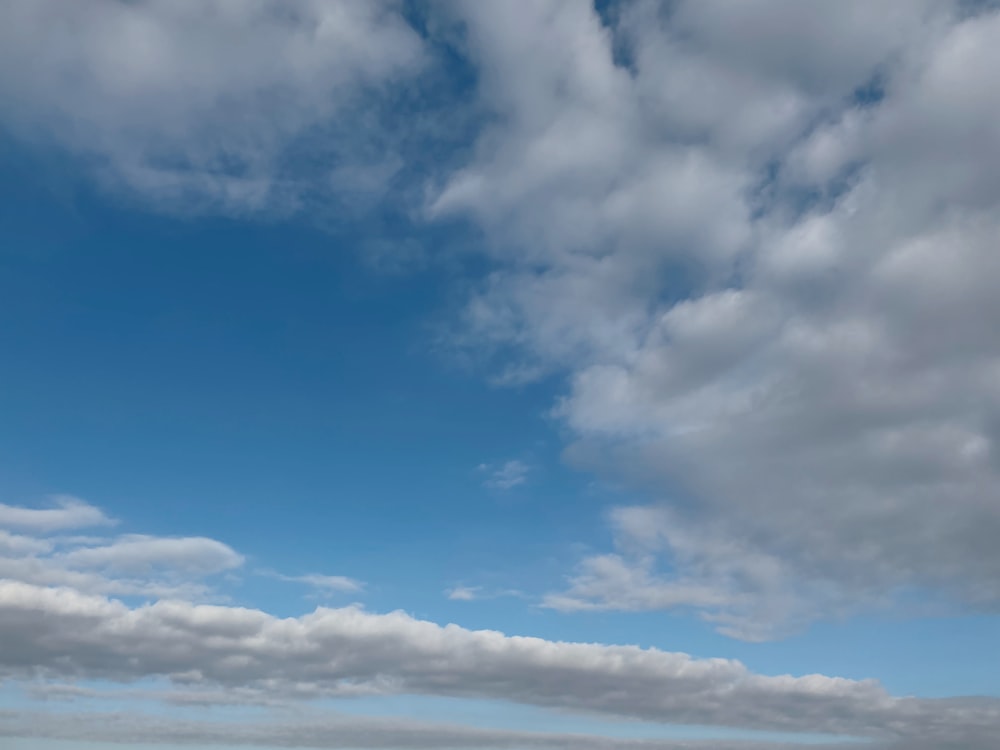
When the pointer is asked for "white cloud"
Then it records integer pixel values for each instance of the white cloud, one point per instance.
(774, 300)
(326, 584)
(202, 106)
(476, 593)
(464, 593)
(774, 303)
(354, 732)
(68, 513)
(20, 544)
(508, 475)
(58, 632)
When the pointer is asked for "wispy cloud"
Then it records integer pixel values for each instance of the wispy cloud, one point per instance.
(326, 584)
(348, 651)
(66, 513)
(340, 732)
(823, 382)
(192, 126)
(462, 593)
(506, 476)
(120, 565)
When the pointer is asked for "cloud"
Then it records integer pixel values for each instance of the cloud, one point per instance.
(352, 732)
(209, 106)
(19, 544)
(757, 242)
(127, 565)
(464, 593)
(324, 583)
(139, 553)
(507, 476)
(58, 632)
(68, 513)
(766, 266)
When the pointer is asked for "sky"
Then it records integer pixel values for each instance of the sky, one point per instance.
(478, 375)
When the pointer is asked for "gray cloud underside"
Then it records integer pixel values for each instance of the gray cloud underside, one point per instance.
(343, 733)
(353, 732)
(61, 633)
(140, 565)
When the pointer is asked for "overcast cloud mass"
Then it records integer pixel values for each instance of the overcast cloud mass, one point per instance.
(755, 244)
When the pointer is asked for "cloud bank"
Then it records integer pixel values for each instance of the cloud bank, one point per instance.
(61, 630)
(59, 633)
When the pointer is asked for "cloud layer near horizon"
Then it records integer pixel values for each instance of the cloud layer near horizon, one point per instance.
(59, 634)
(57, 639)
(351, 732)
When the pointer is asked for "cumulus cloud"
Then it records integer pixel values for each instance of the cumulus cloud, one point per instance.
(205, 106)
(766, 263)
(59, 632)
(462, 593)
(759, 243)
(140, 553)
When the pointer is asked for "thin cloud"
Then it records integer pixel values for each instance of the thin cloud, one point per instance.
(67, 513)
(506, 476)
(464, 593)
(328, 584)
(127, 565)
(474, 593)
(192, 127)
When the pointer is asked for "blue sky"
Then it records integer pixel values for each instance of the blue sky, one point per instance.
(637, 333)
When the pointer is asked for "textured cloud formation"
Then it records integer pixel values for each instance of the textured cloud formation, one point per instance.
(346, 733)
(762, 243)
(323, 583)
(506, 476)
(207, 105)
(463, 593)
(59, 633)
(759, 241)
